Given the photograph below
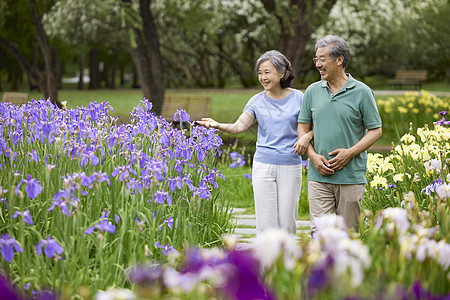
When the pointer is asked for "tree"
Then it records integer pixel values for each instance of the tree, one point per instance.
(88, 27)
(386, 35)
(47, 80)
(298, 20)
(146, 52)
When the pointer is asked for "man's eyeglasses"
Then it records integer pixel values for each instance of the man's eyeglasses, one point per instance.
(321, 60)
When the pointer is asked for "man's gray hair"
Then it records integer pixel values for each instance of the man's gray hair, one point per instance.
(338, 47)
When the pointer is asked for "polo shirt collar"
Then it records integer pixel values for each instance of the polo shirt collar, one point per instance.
(351, 82)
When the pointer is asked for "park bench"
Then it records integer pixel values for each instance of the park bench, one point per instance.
(409, 77)
(16, 98)
(196, 107)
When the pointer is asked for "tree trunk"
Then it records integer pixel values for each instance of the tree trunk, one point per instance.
(94, 72)
(122, 75)
(33, 72)
(51, 90)
(150, 68)
(80, 73)
(112, 79)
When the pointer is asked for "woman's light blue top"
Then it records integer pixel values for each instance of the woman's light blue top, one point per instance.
(277, 127)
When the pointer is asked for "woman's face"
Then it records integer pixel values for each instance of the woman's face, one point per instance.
(268, 76)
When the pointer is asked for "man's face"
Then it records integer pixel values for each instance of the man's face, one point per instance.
(325, 64)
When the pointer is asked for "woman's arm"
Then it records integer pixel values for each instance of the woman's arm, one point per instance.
(244, 121)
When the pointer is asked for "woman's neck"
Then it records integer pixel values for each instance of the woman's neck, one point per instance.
(278, 93)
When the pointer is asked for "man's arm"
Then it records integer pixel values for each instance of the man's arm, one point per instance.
(319, 161)
(343, 156)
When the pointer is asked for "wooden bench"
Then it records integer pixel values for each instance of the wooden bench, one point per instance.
(196, 107)
(409, 77)
(16, 98)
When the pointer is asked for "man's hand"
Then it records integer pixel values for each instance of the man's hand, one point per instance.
(322, 165)
(342, 158)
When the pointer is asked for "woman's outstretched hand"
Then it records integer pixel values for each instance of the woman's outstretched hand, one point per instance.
(208, 122)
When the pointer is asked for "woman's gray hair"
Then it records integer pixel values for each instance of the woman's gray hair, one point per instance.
(338, 47)
(281, 64)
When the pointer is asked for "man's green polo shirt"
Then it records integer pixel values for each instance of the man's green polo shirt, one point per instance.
(340, 121)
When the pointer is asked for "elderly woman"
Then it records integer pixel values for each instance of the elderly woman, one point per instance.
(277, 169)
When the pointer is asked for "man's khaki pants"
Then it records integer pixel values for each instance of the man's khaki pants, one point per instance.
(341, 199)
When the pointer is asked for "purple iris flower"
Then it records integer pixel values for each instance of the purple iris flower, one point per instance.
(167, 249)
(7, 247)
(7, 290)
(184, 116)
(238, 160)
(146, 274)
(63, 198)
(202, 191)
(33, 187)
(241, 281)
(16, 138)
(34, 156)
(174, 182)
(320, 275)
(305, 164)
(443, 121)
(123, 172)
(52, 247)
(169, 223)
(26, 215)
(87, 180)
(161, 196)
(111, 142)
(101, 177)
(431, 187)
(89, 155)
(102, 225)
(249, 176)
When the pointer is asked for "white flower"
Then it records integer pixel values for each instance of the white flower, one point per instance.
(443, 191)
(408, 245)
(398, 215)
(330, 221)
(434, 164)
(115, 294)
(272, 244)
(443, 250)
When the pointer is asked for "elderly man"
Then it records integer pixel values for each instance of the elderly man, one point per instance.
(345, 121)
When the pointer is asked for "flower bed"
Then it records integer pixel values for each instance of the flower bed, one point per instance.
(82, 199)
(92, 208)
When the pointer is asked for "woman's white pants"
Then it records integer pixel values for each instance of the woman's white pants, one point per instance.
(276, 190)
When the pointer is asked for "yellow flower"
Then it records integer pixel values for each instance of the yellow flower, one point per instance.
(398, 177)
(378, 180)
(425, 154)
(410, 197)
(386, 165)
(407, 138)
(402, 110)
